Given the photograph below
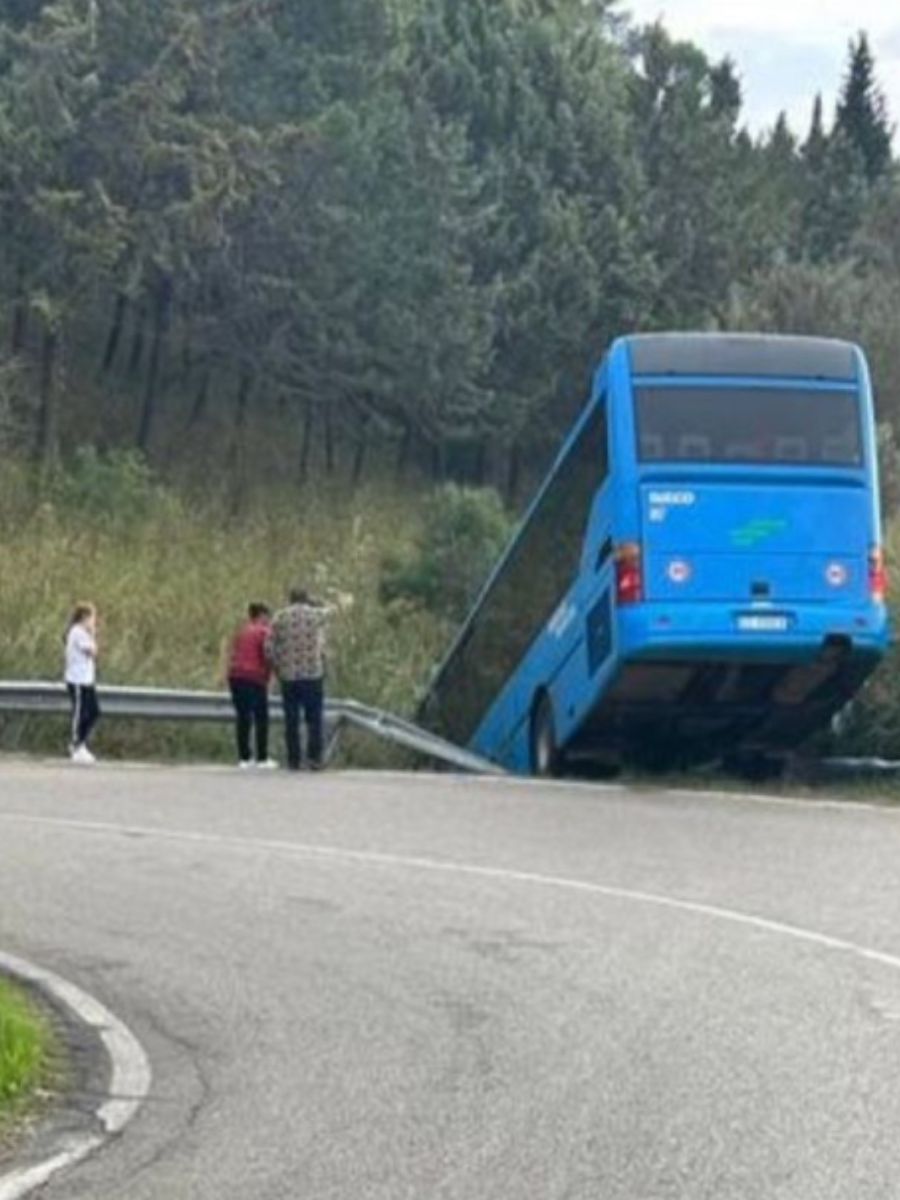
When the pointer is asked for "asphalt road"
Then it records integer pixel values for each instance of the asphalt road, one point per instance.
(379, 988)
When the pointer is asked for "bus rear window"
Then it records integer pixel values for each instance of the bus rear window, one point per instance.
(758, 425)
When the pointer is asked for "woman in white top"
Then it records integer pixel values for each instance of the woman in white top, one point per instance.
(81, 680)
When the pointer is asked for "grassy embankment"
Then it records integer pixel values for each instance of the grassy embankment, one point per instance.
(171, 577)
(26, 1056)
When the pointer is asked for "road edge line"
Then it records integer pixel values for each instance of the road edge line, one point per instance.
(129, 1082)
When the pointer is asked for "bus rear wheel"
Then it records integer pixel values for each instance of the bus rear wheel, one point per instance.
(546, 758)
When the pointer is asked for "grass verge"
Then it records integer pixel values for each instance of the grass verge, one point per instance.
(29, 1059)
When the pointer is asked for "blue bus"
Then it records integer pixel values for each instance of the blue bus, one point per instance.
(700, 574)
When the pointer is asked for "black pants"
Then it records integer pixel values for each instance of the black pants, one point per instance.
(85, 712)
(308, 695)
(251, 706)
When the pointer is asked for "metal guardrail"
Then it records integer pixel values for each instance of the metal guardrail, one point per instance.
(160, 704)
(827, 769)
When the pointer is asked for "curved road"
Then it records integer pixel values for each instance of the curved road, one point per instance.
(379, 988)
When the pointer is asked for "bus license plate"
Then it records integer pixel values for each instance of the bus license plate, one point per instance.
(763, 623)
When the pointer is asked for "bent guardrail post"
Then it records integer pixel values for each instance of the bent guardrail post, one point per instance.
(161, 704)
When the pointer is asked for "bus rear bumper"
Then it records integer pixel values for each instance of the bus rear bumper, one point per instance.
(692, 686)
(789, 633)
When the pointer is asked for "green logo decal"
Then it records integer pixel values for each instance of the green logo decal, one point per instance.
(751, 535)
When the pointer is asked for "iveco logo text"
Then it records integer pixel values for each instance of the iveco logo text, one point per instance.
(674, 499)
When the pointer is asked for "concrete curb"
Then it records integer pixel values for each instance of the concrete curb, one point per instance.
(128, 1085)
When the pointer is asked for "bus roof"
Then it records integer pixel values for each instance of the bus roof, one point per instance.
(742, 354)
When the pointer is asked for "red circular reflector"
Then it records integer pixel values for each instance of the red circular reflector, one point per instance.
(679, 571)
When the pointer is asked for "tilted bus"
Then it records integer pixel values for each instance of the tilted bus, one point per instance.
(700, 574)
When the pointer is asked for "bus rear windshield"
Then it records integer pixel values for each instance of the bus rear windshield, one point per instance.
(759, 425)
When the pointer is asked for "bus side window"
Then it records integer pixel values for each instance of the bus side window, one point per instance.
(652, 447)
(692, 446)
(836, 449)
(539, 569)
(791, 449)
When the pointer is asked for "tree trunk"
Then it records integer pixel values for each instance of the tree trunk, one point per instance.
(45, 447)
(187, 350)
(243, 397)
(404, 451)
(19, 330)
(329, 440)
(513, 475)
(201, 400)
(237, 458)
(306, 441)
(149, 408)
(137, 341)
(359, 457)
(114, 337)
(480, 468)
(438, 462)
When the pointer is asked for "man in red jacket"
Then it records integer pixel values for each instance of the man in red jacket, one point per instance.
(248, 677)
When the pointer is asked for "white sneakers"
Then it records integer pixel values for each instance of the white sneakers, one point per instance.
(268, 765)
(82, 756)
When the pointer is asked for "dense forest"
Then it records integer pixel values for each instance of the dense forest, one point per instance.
(340, 236)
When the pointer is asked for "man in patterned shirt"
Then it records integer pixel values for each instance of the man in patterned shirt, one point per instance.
(296, 650)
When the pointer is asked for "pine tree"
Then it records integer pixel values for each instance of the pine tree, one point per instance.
(862, 112)
(835, 184)
(817, 226)
(413, 222)
(541, 94)
(815, 147)
(61, 228)
(685, 126)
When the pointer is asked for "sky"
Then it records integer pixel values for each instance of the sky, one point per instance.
(786, 50)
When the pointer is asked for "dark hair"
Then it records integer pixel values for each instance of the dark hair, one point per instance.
(300, 596)
(255, 611)
(79, 613)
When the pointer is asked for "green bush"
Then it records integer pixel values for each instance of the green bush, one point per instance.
(463, 532)
(116, 488)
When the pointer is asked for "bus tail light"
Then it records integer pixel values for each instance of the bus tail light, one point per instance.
(629, 574)
(878, 577)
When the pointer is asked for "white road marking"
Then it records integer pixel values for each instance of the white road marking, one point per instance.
(372, 858)
(129, 1083)
(21, 1183)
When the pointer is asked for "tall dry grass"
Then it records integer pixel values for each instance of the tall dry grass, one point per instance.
(171, 577)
